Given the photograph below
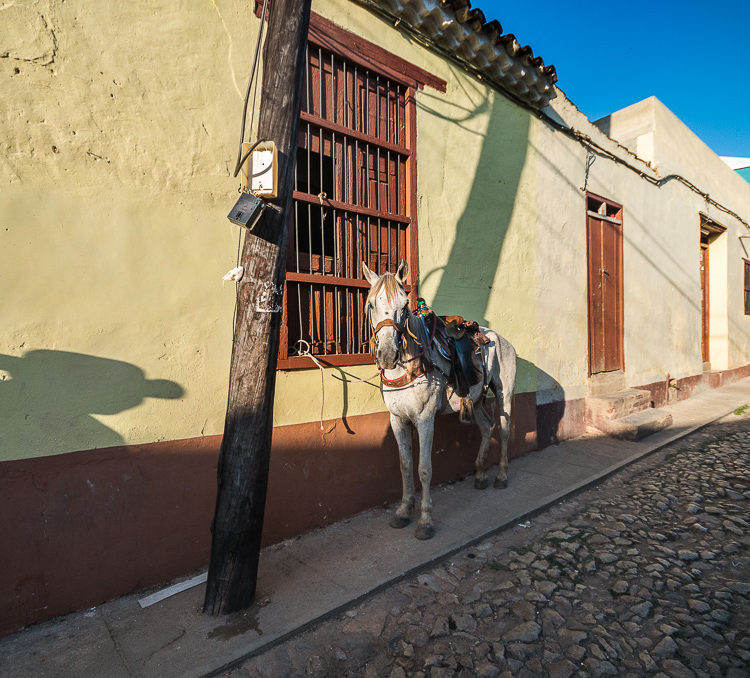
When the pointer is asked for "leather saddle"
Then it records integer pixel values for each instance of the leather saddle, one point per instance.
(458, 341)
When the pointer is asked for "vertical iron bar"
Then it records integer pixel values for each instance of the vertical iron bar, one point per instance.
(377, 106)
(296, 232)
(377, 178)
(369, 244)
(356, 99)
(367, 146)
(398, 241)
(356, 172)
(388, 240)
(379, 245)
(367, 172)
(348, 321)
(309, 239)
(299, 308)
(359, 320)
(398, 114)
(388, 179)
(388, 110)
(399, 209)
(308, 73)
(346, 94)
(333, 88)
(337, 330)
(325, 322)
(309, 144)
(320, 84)
(322, 243)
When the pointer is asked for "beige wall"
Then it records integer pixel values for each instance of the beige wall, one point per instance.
(117, 133)
(674, 149)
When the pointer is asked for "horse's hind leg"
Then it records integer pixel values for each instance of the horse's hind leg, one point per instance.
(506, 400)
(484, 422)
(402, 431)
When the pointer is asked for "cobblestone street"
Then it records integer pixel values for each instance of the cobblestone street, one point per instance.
(647, 574)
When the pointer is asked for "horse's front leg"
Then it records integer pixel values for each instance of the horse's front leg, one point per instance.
(402, 431)
(426, 429)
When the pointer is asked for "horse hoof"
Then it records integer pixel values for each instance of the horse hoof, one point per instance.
(425, 532)
(481, 483)
(500, 484)
(398, 522)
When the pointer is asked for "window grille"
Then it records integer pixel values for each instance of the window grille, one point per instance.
(352, 202)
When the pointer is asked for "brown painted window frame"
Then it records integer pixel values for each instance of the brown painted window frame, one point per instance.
(746, 284)
(325, 35)
(618, 211)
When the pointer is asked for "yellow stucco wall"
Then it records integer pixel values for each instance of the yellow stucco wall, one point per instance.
(118, 129)
(117, 125)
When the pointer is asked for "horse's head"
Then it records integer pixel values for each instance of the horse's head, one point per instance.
(388, 308)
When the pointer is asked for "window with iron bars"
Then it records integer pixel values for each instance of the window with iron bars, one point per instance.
(354, 200)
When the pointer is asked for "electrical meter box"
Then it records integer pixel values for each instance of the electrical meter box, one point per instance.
(260, 171)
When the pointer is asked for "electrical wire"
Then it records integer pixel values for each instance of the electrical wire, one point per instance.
(240, 158)
(256, 57)
(583, 139)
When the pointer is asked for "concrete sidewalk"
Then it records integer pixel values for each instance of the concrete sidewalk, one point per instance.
(305, 580)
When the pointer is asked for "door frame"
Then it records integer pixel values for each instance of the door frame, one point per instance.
(708, 232)
(612, 212)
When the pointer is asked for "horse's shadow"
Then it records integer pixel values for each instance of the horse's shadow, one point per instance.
(48, 400)
(548, 405)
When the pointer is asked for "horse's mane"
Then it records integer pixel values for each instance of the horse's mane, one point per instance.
(391, 285)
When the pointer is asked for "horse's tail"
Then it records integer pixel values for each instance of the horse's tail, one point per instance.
(466, 413)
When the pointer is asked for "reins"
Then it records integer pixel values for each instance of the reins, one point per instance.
(406, 379)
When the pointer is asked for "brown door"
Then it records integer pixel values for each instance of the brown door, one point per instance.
(604, 226)
(704, 302)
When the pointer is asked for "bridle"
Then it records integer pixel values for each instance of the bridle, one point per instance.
(405, 379)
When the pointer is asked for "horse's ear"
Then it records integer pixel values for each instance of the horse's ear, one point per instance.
(371, 277)
(402, 272)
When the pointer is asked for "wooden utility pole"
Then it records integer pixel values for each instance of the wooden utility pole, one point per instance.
(246, 446)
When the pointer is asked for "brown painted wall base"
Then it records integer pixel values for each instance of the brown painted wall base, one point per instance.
(81, 528)
(681, 389)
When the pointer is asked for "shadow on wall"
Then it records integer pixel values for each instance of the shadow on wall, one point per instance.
(472, 264)
(547, 408)
(46, 405)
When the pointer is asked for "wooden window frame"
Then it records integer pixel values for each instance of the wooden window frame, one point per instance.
(746, 284)
(345, 45)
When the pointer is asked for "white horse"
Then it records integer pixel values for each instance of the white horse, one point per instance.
(414, 393)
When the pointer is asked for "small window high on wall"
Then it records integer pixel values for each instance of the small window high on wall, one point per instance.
(746, 279)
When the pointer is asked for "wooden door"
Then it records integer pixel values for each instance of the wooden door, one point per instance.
(704, 302)
(604, 227)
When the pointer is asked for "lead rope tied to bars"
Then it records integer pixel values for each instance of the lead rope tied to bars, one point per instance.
(303, 350)
(306, 353)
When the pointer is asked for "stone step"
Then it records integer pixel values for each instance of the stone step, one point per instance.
(604, 408)
(636, 426)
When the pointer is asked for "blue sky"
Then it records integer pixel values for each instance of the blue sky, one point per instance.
(693, 56)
